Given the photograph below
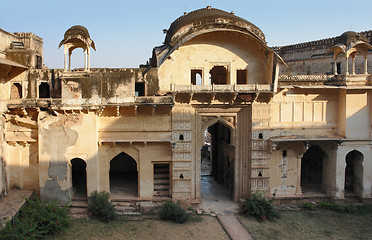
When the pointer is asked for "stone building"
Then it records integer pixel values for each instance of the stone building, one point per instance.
(214, 88)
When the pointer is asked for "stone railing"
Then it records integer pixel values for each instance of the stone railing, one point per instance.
(306, 77)
(222, 88)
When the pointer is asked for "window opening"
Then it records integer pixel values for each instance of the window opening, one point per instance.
(44, 90)
(241, 77)
(16, 91)
(218, 75)
(196, 76)
(260, 136)
(140, 89)
(338, 68)
(39, 62)
(181, 137)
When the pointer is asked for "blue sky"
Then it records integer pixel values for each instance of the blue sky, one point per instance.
(125, 32)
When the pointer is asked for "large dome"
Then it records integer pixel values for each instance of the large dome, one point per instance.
(207, 18)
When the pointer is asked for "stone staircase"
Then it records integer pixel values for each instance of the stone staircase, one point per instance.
(123, 207)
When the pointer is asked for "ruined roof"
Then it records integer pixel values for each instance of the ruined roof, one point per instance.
(79, 33)
(350, 37)
(208, 18)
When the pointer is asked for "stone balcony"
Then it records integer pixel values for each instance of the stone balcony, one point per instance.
(356, 80)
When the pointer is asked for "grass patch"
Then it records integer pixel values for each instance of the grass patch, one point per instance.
(320, 224)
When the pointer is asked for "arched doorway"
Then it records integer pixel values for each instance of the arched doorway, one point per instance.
(79, 178)
(123, 176)
(354, 173)
(217, 163)
(312, 170)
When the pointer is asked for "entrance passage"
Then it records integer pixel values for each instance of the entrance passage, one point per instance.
(312, 170)
(79, 178)
(217, 158)
(123, 177)
(354, 173)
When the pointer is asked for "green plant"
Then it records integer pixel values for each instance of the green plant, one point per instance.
(100, 206)
(37, 220)
(331, 206)
(174, 212)
(258, 206)
(308, 206)
(350, 208)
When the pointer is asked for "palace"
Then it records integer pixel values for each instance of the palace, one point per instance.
(214, 100)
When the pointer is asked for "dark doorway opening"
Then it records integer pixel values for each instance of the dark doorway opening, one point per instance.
(312, 170)
(218, 75)
(196, 76)
(354, 173)
(123, 177)
(44, 90)
(217, 156)
(79, 178)
(140, 89)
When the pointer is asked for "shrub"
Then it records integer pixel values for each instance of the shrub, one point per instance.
(258, 206)
(100, 207)
(37, 220)
(308, 206)
(174, 212)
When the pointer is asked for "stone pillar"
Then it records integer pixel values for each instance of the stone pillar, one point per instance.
(366, 65)
(86, 60)
(298, 188)
(335, 68)
(65, 64)
(353, 64)
(347, 65)
(69, 61)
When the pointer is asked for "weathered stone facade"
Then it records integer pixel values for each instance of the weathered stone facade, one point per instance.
(139, 133)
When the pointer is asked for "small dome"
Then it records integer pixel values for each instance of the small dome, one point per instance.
(350, 37)
(77, 30)
(79, 33)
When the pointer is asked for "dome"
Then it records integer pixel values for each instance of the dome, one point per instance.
(77, 30)
(208, 18)
(77, 33)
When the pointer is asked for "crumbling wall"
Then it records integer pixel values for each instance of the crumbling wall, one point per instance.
(62, 138)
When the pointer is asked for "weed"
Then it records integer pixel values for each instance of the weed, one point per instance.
(350, 208)
(258, 206)
(100, 206)
(308, 206)
(331, 206)
(174, 212)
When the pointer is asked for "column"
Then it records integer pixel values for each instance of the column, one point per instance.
(298, 187)
(86, 60)
(353, 65)
(335, 68)
(69, 61)
(65, 67)
(366, 64)
(347, 65)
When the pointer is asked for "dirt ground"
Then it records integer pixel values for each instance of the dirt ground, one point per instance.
(319, 224)
(208, 228)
